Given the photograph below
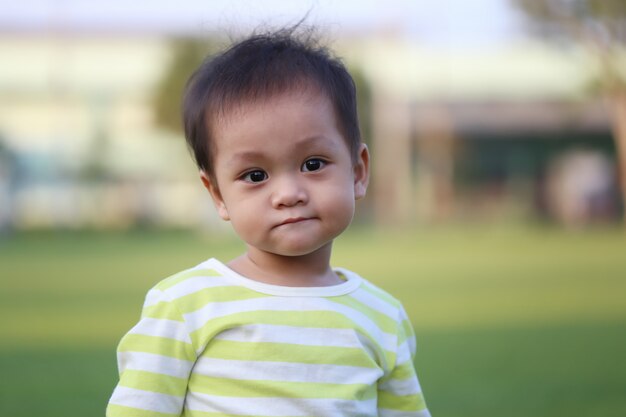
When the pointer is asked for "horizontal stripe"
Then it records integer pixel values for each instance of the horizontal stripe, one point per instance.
(381, 321)
(279, 407)
(379, 293)
(412, 402)
(199, 318)
(176, 279)
(279, 389)
(194, 284)
(153, 297)
(291, 334)
(304, 319)
(158, 345)
(286, 371)
(406, 386)
(380, 330)
(203, 297)
(169, 329)
(153, 382)
(149, 362)
(146, 400)
(376, 303)
(276, 352)
(114, 410)
(162, 310)
(395, 413)
(311, 320)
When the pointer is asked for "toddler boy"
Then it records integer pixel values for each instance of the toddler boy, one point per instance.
(275, 332)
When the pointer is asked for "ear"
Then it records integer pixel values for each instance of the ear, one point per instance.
(211, 186)
(361, 172)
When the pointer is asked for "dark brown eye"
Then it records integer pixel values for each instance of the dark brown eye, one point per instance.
(255, 176)
(312, 165)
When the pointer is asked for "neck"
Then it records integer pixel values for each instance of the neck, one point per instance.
(310, 270)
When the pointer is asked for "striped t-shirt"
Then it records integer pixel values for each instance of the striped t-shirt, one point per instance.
(212, 343)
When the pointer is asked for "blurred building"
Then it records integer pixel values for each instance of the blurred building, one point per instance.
(467, 135)
(76, 114)
(455, 134)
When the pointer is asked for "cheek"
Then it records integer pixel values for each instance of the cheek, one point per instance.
(247, 228)
(244, 219)
(338, 203)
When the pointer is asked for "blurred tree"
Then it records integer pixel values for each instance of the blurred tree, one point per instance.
(187, 54)
(599, 25)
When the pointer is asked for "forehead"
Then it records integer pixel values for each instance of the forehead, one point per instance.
(306, 112)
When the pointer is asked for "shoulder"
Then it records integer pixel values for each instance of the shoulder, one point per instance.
(206, 269)
(385, 303)
(189, 281)
(374, 296)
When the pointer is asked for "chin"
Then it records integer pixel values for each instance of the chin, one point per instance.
(298, 249)
(295, 252)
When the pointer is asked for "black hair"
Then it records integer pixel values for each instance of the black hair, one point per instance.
(257, 68)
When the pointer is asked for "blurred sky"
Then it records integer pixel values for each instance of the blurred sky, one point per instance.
(442, 23)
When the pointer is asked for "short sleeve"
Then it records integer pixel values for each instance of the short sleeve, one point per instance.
(399, 392)
(154, 359)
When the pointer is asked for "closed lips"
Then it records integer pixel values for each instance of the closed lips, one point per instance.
(294, 220)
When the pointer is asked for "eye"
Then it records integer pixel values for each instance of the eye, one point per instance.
(313, 164)
(254, 176)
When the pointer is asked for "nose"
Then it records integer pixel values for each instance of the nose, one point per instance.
(288, 192)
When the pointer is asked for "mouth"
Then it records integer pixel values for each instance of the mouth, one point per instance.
(293, 220)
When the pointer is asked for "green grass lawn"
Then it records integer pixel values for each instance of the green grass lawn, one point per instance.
(510, 322)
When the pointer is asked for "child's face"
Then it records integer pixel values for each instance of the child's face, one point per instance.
(284, 174)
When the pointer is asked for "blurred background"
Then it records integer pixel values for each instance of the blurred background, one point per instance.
(498, 135)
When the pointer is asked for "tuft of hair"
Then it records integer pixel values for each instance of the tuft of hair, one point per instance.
(257, 68)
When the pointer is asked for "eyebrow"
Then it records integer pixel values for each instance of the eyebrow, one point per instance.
(318, 140)
(246, 156)
(306, 143)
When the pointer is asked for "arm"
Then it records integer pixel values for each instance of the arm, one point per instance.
(155, 359)
(399, 392)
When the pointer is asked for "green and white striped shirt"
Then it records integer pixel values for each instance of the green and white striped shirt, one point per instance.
(212, 343)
